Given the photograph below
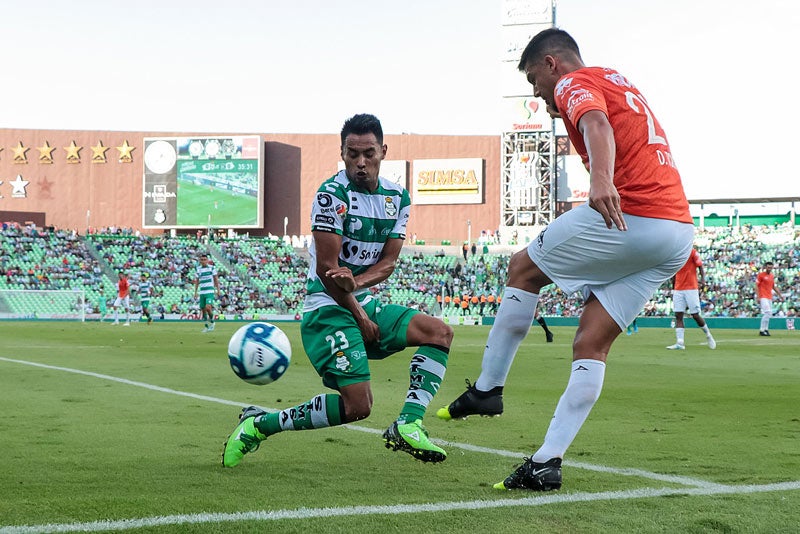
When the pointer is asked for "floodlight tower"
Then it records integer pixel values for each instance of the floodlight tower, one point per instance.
(528, 143)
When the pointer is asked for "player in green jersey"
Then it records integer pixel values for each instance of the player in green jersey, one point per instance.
(358, 221)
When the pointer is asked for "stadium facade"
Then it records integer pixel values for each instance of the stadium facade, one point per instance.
(94, 179)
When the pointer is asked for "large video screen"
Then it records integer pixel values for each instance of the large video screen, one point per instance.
(199, 182)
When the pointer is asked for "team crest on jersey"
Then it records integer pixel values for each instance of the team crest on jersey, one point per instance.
(391, 209)
(342, 363)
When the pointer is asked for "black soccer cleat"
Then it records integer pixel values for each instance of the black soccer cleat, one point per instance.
(548, 336)
(534, 476)
(764, 333)
(474, 402)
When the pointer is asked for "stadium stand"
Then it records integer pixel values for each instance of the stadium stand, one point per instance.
(262, 277)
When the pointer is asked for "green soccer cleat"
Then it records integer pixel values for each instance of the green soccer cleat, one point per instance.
(245, 438)
(413, 439)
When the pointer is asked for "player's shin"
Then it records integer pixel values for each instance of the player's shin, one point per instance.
(511, 325)
(324, 410)
(583, 390)
(426, 372)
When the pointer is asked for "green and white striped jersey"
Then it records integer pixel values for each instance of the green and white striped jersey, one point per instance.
(205, 277)
(364, 219)
(145, 288)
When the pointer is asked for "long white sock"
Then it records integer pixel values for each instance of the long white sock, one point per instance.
(511, 325)
(706, 329)
(680, 335)
(765, 322)
(583, 390)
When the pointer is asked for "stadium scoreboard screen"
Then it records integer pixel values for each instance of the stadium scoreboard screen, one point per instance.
(197, 182)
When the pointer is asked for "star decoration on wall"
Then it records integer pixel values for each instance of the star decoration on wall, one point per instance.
(44, 188)
(73, 152)
(45, 152)
(99, 153)
(18, 187)
(19, 153)
(125, 152)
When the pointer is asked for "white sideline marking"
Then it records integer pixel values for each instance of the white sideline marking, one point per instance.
(463, 446)
(397, 509)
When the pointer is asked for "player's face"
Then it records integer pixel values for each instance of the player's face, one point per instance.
(203, 261)
(362, 156)
(542, 77)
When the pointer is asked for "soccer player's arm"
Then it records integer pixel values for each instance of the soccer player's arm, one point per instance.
(328, 244)
(385, 266)
(598, 135)
(196, 284)
(702, 277)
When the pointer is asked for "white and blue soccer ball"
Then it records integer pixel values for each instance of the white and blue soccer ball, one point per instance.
(259, 353)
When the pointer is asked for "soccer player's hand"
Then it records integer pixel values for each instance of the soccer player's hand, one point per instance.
(343, 277)
(604, 198)
(369, 330)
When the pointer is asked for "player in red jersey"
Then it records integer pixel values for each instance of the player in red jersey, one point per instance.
(634, 233)
(123, 299)
(686, 296)
(765, 288)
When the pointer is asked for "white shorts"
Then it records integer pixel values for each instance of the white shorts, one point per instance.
(766, 306)
(622, 269)
(125, 302)
(684, 300)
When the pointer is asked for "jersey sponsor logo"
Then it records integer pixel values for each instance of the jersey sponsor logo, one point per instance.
(324, 199)
(576, 97)
(341, 210)
(324, 219)
(349, 250)
(618, 79)
(563, 85)
(353, 225)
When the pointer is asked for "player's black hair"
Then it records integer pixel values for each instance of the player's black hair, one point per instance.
(362, 124)
(549, 41)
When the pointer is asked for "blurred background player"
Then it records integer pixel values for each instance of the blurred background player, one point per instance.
(548, 335)
(145, 292)
(686, 297)
(765, 289)
(123, 299)
(206, 285)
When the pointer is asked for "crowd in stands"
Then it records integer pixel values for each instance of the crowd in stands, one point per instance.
(267, 276)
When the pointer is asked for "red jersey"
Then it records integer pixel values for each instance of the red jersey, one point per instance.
(686, 277)
(765, 283)
(123, 288)
(645, 175)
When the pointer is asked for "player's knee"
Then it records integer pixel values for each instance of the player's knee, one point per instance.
(357, 410)
(443, 334)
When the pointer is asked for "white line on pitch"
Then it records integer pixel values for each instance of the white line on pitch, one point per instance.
(463, 446)
(397, 509)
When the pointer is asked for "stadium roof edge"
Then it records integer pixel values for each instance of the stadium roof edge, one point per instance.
(742, 200)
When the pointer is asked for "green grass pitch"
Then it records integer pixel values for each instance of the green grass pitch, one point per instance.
(111, 428)
(196, 202)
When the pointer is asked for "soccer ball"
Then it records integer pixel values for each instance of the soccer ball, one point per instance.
(259, 353)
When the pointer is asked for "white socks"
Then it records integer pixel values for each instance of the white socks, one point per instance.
(511, 325)
(583, 390)
(679, 335)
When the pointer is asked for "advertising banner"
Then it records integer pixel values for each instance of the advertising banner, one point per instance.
(447, 181)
